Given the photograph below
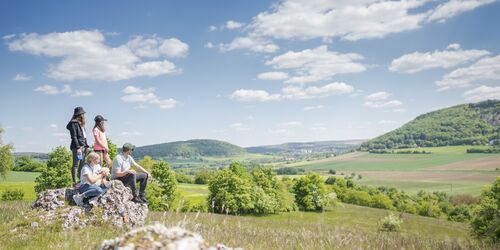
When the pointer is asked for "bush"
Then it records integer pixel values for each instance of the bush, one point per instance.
(183, 178)
(203, 177)
(289, 171)
(310, 193)
(486, 218)
(381, 201)
(167, 183)
(58, 171)
(236, 191)
(6, 157)
(357, 197)
(13, 195)
(28, 164)
(460, 213)
(330, 180)
(390, 223)
(332, 171)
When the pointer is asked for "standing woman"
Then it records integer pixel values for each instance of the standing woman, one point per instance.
(100, 141)
(76, 127)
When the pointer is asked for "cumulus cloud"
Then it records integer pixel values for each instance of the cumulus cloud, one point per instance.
(293, 93)
(487, 68)
(252, 43)
(482, 93)
(452, 56)
(84, 55)
(21, 77)
(66, 89)
(351, 20)
(273, 76)
(252, 95)
(311, 65)
(137, 95)
(233, 25)
(377, 96)
(290, 124)
(383, 104)
(452, 8)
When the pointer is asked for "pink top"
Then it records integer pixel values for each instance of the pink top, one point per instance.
(102, 137)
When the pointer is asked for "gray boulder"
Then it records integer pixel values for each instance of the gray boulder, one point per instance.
(113, 207)
(157, 236)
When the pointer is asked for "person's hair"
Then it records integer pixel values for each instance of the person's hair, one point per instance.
(100, 126)
(80, 118)
(125, 149)
(93, 156)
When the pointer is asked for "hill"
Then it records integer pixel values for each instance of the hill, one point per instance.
(190, 149)
(466, 124)
(307, 147)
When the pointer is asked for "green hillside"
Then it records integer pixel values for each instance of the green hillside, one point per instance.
(466, 124)
(190, 149)
(307, 147)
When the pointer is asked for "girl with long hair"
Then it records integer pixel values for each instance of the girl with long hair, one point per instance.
(100, 141)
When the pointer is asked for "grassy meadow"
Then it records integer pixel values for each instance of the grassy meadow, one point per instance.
(342, 227)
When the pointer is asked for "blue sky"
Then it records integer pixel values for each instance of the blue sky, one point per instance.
(248, 72)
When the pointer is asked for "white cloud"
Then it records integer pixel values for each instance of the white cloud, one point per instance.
(482, 93)
(452, 56)
(377, 96)
(251, 95)
(48, 89)
(250, 117)
(79, 93)
(239, 126)
(292, 93)
(137, 95)
(336, 88)
(254, 44)
(452, 8)
(21, 77)
(9, 36)
(212, 28)
(308, 108)
(273, 76)
(317, 128)
(311, 65)
(278, 131)
(487, 68)
(85, 56)
(66, 89)
(383, 104)
(53, 126)
(233, 25)
(60, 134)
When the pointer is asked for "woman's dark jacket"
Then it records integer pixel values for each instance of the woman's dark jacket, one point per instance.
(76, 132)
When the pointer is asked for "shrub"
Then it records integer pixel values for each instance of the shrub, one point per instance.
(486, 218)
(466, 199)
(357, 197)
(330, 180)
(12, 195)
(156, 202)
(381, 201)
(58, 171)
(203, 177)
(390, 223)
(460, 213)
(167, 182)
(310, 193)
(183, 178)
(28, 164)
(6, 157)
(332, 171)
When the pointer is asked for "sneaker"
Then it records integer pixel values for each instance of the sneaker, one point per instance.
(78, 199)
(143, 199)
(93, 201)
(136, 199)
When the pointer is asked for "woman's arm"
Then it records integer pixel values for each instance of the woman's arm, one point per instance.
(74, 139)
(91, 178)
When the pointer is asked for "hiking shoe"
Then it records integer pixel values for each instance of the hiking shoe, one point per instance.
(137, 200)
(143, 199)
(78, 199)
(93, 201)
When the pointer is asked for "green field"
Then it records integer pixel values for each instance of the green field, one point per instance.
(448, 169)
(342, 227)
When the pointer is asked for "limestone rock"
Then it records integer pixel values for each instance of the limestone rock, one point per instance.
(157, 236)
(113, 207)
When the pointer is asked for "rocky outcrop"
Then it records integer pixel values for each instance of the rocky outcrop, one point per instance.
(114, 206)
(158, 236)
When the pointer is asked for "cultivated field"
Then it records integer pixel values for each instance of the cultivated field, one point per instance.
(448, 169)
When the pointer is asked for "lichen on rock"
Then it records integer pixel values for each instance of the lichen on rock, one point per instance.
(157, 236)
(114, 206)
